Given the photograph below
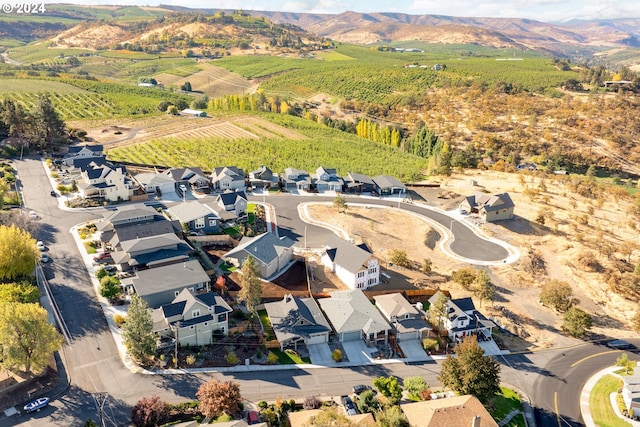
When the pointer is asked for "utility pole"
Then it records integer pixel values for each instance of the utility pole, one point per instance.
(100, 399)
(175, 350)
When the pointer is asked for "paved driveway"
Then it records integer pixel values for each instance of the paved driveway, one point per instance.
(413, 351)
(320, 354)
(357, 352)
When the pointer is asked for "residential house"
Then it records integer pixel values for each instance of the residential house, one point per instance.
(196, 216)
(456, 411)
(272, 254)
(327, 180)
(631, 394)
(156, 183)
(462, 319)
(354, 265)
(353, 317)
(197, 317)
(409, 322)
(388, 185)
(152, 251)
(160, 285)
(262, 178)
(234, 202)
(297, 320)
(227, 178)
(294, 179)
(106, 181)
(489, 207)
(359, 183)
(82, 151)
(304, 418)
(193, 178)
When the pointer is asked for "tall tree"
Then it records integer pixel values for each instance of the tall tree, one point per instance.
(17, 252)
(484, 289)
(27, 337)
(137, 331)
(19, 292)
(251, 292)
(558, 295)
(471, 372)
(150, 412)
(48, 120)
(217, 398)
(438, 311)
(390, 388)
(577, 322)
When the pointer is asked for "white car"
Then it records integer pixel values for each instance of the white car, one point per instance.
(33, 214)
(40, 245)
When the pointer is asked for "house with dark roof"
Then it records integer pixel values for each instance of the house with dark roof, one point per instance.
(353, 317)
(193, 178)
(196, 317)
(151, 251)
(82, 151)
(489, 207)
(272, 254)
(456, 411)
(263, 177)
(106, 181)
(462, 319)
(327, 180)
(160, 285)
(227, 178)
(196, 216)
(359, 183)
(232, 201)
(387, 185)
(354, 265)
(296, 179)
(297, 321)
(407, 321)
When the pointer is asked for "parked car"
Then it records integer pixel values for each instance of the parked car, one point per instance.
(359, 388)
(44, 258)
(104, 257)
(620, 345)
(349, 406)
(40, 245)
(36, 405)
(110, 269)
(53, 193)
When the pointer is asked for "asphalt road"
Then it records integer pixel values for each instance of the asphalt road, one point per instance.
(553, 381)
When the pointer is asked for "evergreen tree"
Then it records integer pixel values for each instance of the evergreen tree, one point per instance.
(251, 292)
(48, 120)
(137, 331)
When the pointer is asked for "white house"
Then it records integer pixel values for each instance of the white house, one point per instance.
(354, 265)
(82, 152)
(105, 180)
(462, 319)
(227, 178)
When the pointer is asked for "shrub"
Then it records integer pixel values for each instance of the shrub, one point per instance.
(232, 358)
(101, 273)
(430, 344)
(120, 319)
(336, 355)
(190, 359)
(311, 402)
(272, 358)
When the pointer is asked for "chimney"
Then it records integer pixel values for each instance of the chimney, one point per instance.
(475, 421)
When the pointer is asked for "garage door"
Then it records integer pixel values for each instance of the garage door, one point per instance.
(350, 336)
(317, 339)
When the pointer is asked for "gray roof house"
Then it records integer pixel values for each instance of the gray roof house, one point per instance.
(388, 185)
(354, 265)
(155, 182)
(197, 216)
(128, 214)
(82, 151)
(160, 285)
(489, 207)
(227, 178)
(232, 201)
(353, 317)
(198, 317)
(407, 321)
(262, 177)
(296, 179)
(631, 394)
(327, 180)
(272, 254)
(297, 320)
(151, 251)
(463, 319)
(194, 177)
(105, 180)
(359, 183)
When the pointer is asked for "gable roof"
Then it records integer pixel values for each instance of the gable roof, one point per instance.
(395, 305)
(231, 197)
(75, 149)
(186, 174)
(153, 179)
(168, 277)
(150, 242)
(490, 202)
(190, 211)
(232, 172)
(448, 412)
(261, 172)
(352, 258)
(386, 181)
(186, 299)
(83, 163)
(359, 177)
(140, 230)
(130, 212)
(294, 317)
(351, 311)
(265, 247)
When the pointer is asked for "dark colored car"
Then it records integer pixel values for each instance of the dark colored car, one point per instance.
(349, 406)
(53, 194)
(357, 389)
(620, 345)
(104, 257)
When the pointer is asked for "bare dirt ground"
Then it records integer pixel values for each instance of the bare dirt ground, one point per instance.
(564, 236)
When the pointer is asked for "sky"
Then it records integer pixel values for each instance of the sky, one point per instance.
(541, 10)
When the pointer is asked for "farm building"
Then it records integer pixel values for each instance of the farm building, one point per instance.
(194, 113)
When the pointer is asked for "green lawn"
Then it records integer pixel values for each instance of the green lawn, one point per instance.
(505, 402)
(600, 404)
(290, 358)
(266, 324)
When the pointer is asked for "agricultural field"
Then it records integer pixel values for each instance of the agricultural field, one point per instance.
(276, 140)
(41, 52)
